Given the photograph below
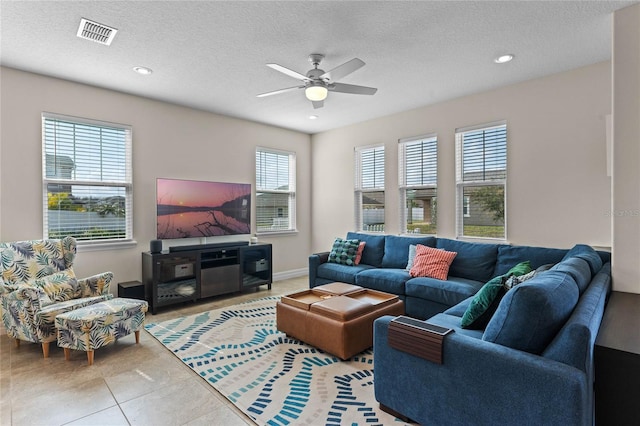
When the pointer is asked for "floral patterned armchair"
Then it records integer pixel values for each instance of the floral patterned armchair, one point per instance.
(37, 283)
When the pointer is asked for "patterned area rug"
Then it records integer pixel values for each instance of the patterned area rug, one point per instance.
(274, 379)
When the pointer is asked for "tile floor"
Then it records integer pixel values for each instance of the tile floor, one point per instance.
(128, 384)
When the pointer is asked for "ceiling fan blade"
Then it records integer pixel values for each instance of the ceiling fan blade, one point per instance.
(317, 104)
(275, 92)
(352, 88)
(287, 71)
(343, 70)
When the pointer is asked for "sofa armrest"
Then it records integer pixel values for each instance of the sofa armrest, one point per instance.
(478, 383)
(96, 285)
(316, 260)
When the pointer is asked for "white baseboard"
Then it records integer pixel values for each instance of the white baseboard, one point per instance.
(294, 273)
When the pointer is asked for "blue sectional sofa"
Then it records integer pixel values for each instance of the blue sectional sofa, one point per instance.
(384, 261)
(531, 364)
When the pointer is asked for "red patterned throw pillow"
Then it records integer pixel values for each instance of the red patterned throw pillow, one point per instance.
(431, 262)
(359, 252)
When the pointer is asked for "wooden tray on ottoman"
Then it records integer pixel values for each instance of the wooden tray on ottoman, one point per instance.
(338, 324)
(304, 299)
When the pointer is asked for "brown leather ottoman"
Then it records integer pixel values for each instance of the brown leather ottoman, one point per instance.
(337, 317)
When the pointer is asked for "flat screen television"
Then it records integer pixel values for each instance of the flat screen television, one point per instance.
(193, 209)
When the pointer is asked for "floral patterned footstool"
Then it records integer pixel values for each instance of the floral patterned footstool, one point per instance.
(94, 326)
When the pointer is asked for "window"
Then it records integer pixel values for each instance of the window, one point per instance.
(369, 188)
(418, 167)
(275, 190)
(481, 181)
(87, 180)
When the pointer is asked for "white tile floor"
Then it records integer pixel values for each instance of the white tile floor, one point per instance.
(128, 384)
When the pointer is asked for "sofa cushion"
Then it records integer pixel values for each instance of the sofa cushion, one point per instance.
(387, 280)
(453, 322)
(578, 269)
(459, 309)
(431, 262)
(474, 261)
(449, 292)
(588, 254)
(344, 252)
(373, 249)
(509, 256)
(342, 273)
(531, 314)
(486, 301)
(396, 249)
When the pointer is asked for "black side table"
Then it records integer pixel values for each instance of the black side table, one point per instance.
(617, 362)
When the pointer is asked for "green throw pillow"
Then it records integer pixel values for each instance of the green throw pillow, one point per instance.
(344, 252)
(486, 301)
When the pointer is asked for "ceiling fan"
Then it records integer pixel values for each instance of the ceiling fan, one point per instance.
(317, 83)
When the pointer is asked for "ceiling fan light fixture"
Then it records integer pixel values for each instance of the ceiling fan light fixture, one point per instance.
(316, 93)
(503, 59)
(143, 70)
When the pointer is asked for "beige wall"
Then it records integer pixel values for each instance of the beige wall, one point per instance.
(558, 190)
(626, 149)
(168, 141)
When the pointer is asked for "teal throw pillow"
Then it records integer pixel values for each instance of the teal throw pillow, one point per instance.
(344, 252)
(487, 299)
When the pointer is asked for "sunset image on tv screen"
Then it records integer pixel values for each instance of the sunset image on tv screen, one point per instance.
(191, 209)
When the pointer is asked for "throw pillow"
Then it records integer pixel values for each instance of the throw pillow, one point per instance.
(486, 301)
(412, 257)
(344, 252)
(59, 287)
(359, 252)
(431, 262)
(514, 280)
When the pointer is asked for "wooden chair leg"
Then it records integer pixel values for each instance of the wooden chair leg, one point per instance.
(137, 333)
(45, 349)
(90, 357)
(67, 354)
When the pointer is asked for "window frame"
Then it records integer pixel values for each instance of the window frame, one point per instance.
(126, 183)
(403, 182)
(291, 192)
(462, 184)
(361, 188)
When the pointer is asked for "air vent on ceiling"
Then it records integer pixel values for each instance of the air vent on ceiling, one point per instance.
(90, 30)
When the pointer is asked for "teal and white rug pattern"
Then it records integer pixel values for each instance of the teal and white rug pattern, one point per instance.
(274, 379)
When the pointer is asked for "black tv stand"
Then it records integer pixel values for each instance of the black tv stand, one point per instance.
(205, 270)
(208, 246)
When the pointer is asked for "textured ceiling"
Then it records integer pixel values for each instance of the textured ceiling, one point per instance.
(211, 55)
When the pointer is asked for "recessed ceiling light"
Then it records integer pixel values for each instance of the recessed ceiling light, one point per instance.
(313, 117)
(143, 70)
(503, 59)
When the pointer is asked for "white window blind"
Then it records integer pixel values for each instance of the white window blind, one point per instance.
(369, 188)
(87, 185)
(418, 178)
(481, 176)
(275, 190)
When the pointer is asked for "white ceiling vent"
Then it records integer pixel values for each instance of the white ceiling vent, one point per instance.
(90, 30)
